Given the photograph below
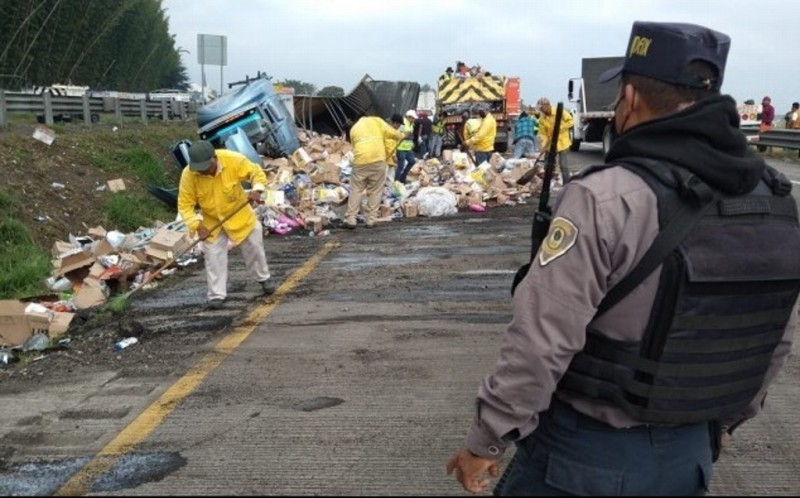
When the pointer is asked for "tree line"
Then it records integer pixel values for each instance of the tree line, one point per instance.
(121, 45)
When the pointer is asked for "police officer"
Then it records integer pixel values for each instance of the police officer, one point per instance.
(611, 387)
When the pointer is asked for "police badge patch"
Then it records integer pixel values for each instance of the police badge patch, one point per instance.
(561, 237)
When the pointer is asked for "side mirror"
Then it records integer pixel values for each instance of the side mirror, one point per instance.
(569, 90)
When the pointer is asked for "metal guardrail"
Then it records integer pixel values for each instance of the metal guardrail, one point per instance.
(783, 138)
(50, 109)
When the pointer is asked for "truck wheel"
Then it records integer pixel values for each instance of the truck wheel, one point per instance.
(95, 118)
(607, 138)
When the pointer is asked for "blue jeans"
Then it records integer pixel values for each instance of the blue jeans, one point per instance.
(524, 146)
(405, 161)
(571, 454)
(435, 147)
(480, 157)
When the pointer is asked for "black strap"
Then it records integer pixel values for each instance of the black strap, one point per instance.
(665, 242)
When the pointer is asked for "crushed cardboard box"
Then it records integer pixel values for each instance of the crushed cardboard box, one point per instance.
(92, 293)
(72, 259)
(18, 322)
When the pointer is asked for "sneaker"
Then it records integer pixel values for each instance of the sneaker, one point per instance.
(268, 287)
(215, 304)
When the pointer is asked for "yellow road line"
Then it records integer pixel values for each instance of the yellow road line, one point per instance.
(141, 427)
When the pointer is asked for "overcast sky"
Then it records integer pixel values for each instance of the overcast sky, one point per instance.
(337, 42)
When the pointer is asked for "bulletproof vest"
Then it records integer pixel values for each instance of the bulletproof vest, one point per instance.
(724, 297)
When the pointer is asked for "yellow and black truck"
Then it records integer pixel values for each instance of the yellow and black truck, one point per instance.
(494, 93)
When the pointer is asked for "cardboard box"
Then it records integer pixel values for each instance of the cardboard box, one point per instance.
(92, 293)
(60, 247)
(326, 173)
(496, 160)
(97, 232)
(103, 247)
(72, 260)
(314, 223)
(17, 325)
(116, 185)
(410, 209)
(301, 159)
(14, 327)
(475, 198)
(447, 155)
(274, 197)
(44, 134)
(167, 244)
(384, 211)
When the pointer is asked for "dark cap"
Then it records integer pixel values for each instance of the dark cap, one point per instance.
(448, 70)
(397, 118)
(200, 154)
(663, 51)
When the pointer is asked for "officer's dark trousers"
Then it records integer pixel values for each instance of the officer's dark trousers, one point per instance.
(571, 454)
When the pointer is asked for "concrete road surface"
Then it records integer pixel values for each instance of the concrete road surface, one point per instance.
(357, 378)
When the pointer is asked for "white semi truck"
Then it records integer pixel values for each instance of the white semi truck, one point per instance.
(594, 101)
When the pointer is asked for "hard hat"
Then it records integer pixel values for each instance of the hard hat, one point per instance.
(411, 114)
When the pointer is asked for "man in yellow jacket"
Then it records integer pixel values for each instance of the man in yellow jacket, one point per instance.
(369, 136)
(213, 180)
(547, 122)
(483, 139)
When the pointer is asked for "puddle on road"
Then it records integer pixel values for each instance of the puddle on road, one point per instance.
(45, 478)
(136, 469)
(38, 478)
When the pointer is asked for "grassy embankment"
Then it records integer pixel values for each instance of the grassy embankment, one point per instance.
(136, 153)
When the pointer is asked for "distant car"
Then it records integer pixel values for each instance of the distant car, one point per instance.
(170, 94)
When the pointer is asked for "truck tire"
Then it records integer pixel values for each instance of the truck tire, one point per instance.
(607, 134)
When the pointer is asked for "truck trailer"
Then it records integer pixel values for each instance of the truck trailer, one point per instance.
(594, 113)
(492, 93)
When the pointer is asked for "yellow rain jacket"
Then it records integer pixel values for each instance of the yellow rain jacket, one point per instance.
(391, 149)
(471, 128)
(221, 194)
(546, 125)
(483, 139)
(368, 137)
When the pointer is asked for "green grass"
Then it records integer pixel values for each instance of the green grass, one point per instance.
(118, 304)
(23, 265)
(136, 163)
(7, 203)
(128, 211)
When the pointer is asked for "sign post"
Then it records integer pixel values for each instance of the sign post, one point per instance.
(212, 49)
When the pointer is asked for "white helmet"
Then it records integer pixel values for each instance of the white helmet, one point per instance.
(411, 113)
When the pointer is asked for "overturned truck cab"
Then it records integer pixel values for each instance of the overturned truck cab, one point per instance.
(252, 118)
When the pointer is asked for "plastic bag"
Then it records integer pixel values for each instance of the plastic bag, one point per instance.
(436, 201)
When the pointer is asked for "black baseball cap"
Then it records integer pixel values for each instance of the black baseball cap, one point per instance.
(663, 51)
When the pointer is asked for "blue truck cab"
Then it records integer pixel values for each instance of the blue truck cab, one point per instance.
(251, 113)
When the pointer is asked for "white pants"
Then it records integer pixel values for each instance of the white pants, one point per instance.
(216, 258)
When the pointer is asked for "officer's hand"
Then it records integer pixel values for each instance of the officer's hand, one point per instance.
(202, 232)
(471, 470)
